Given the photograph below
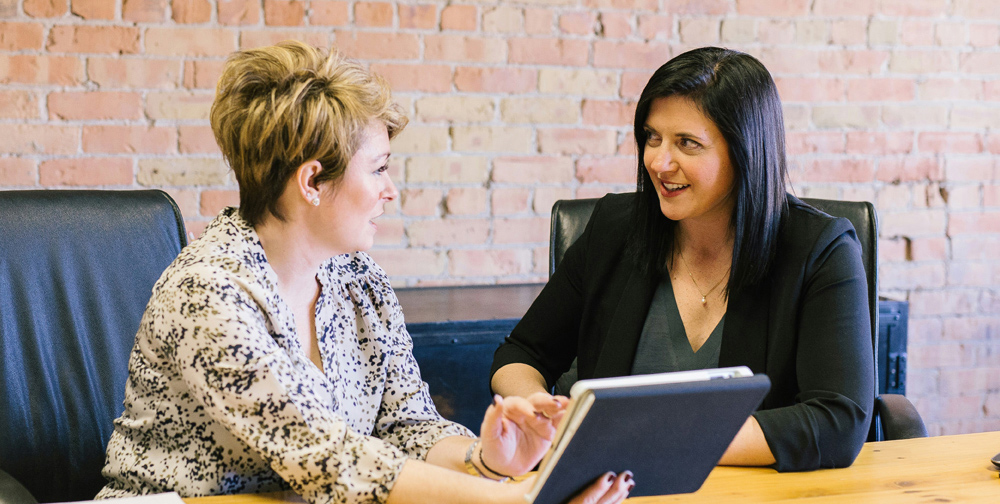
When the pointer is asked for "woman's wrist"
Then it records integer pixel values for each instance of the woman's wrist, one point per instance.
(475, 466)
(489, 471)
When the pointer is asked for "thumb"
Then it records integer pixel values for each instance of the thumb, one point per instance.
(492, 425)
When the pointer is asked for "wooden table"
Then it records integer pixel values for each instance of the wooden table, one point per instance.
(929, 470)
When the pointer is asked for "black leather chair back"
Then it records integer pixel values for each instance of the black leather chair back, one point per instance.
(569, 218)
(76, 271)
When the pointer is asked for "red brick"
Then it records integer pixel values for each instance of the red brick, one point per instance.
(465, 201)
(649, 55)
(545, 197)
(909, 275)
(532, 170)
(247, 12)
(538, 21)
(638, 5)
(428, 78)
(975, 247)
(844, 7)
(909, 169)
(485, 263)
(462, 48)
(697, 7)
(775, 31)
(443, 232)
(978, 222)
(212, 202)
(976, 9)
(775, 8)
(913, 8)
(928, 222)
(9, 8)
(836, 170)
(17, 172)
(991, 195)
(970, 274)
(510, 200)
(984, 35)
(613, 170)
(879, 143)
(950, 89)
(655, 26)
(423, 17)
(190, 41)
(367, 45)
(40, 139)
(608, 112)
(881, 90)
(202, 74)
(950, 143)
(44, 8)
(975, 63)
(178, 105)
(284, 12)
(191, 11)
(459, 17)
(93, 9)
(496, 80)
(615, 24)
(144, 11)
(521, 230)
(923, 62)
(576, 141)
(971, 169)
(812, 142)
(250, 39)
(196, 140)
(423, 202)
(140, 73)
(929, 249)
(578, 22)
(93, 39)
(373, 14)
(32, 69)
(390, 232)
(849, 32)
(109, 139)
(633, 83)
(994, 144)
(18, 104)
(792, 60)
(549, 51)
(86, 172)
(410, 262)
(804, 89)
(916, 32)
(853, 61)
(75, 105)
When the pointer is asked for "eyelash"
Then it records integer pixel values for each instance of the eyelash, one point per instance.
(382, 169)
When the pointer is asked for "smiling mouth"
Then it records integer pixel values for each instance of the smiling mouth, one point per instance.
(674, 187)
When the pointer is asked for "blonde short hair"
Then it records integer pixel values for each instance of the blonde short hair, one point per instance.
(280, 106)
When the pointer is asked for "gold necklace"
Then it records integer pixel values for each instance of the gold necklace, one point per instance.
(704, 300)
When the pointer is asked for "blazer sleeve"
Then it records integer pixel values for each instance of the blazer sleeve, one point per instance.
(828, 423)
(546, 338)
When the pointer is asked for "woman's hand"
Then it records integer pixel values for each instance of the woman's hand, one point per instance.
(517, 431)
(608, 489)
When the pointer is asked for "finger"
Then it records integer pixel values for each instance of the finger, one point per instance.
(546, 404)
(492, 425)
(596, 490)
(619, 490)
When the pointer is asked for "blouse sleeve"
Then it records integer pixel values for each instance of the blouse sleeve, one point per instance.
(248, 384)
(828, 423)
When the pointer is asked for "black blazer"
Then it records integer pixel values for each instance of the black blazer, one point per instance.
(807, 327)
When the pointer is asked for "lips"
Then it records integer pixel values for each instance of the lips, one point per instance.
(674, 187)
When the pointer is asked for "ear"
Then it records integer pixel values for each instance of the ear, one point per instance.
(305, 177)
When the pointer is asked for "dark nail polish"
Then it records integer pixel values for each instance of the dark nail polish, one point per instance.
(609, 478)
(630, 487)
(628, 477)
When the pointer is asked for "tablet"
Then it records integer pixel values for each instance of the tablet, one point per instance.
(669, 429)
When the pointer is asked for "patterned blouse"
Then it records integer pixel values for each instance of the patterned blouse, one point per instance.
(221, 398)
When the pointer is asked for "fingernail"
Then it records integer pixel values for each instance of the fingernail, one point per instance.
(496, 397)
(628, 477)
(630, 487)
(610, 477)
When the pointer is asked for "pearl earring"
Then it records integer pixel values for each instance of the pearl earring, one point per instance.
(315, 201)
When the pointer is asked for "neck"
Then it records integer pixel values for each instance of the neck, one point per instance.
(289, 254)
(705, 241)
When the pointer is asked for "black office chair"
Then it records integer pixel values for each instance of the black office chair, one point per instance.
(76, 271)
(895, 417)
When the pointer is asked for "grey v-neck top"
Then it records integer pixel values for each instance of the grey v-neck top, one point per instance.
(663, 344)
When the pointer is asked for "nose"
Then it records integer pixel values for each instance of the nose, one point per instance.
(389, 192)
(659, 161)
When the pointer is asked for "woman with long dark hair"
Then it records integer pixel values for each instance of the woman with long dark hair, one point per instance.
(710, 263)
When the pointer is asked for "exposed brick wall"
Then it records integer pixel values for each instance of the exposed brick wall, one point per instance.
(517, 104)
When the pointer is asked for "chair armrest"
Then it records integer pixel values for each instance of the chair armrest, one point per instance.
(900, 420)
(12, 492)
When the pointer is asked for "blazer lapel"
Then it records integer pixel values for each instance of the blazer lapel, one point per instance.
(619, 345)
(744, 337)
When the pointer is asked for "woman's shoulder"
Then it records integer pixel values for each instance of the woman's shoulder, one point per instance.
(808, 228)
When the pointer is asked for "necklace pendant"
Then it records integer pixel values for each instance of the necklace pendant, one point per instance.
(703, 301)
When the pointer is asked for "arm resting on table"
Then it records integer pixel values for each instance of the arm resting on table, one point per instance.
(12, 492)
